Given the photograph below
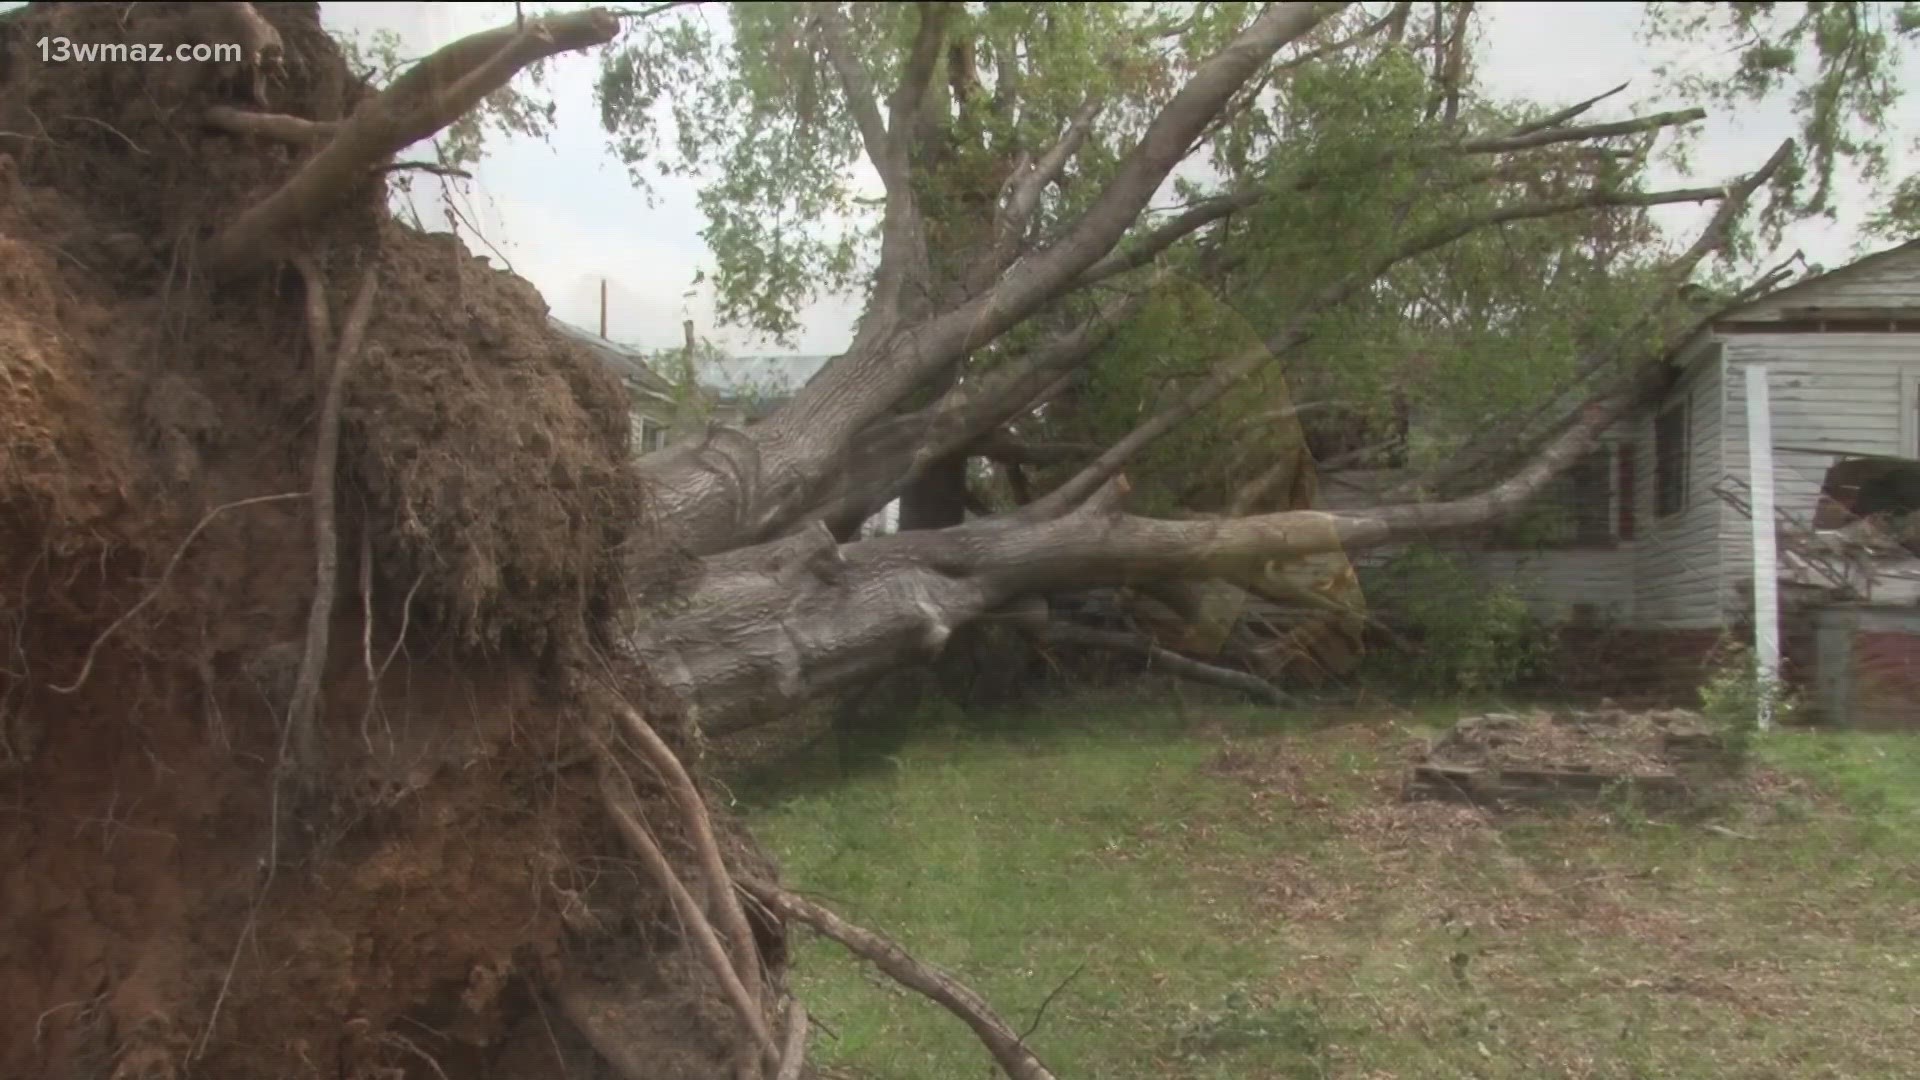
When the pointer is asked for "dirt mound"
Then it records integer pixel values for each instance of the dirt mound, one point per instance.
(176, 895)
(1665, 754)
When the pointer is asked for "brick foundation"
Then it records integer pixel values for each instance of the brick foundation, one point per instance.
(1886, 673)
(1624, 658)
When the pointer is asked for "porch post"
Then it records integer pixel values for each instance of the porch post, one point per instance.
(1766, 573)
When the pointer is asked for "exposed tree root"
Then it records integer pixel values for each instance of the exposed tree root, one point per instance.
(276, 126)
(86, 667)
(326, 540)
(693, 917)
(732, 918)
(434, 93)
(1185, 667)
(793, 1051)
(1006, 1045)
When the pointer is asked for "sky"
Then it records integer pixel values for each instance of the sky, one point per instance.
(565, 215)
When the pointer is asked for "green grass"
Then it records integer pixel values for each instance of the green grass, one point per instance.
(1235, 893)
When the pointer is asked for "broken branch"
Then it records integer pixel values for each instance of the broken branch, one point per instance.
(1529, 139)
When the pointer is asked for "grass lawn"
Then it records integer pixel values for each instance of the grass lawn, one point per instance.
(1225, 891)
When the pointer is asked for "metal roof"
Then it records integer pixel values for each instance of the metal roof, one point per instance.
(627, 362)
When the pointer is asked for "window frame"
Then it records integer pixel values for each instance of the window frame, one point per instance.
(1598, 465)
(1672, 459)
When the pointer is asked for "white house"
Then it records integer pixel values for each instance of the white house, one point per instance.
(1655, 546)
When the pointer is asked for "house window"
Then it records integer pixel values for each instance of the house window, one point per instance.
(1574, 509)
(1628, 465)
(1670, 456)
(1589, 498)
(649, 434)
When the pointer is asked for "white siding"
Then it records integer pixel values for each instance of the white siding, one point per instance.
(1553, 583)
(1836, 393)
(1677, 559)
(1889, 279)
(1886, 279)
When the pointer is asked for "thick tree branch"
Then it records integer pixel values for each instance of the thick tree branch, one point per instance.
(795, 450)
(836, 37)
(889, 145)
(1250, 96)
(917, 77)
(1229, 371)
(857, 389)
(1027, 185)
(895, 452)
(434, 93)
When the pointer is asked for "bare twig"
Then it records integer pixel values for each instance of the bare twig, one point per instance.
(1041, 1013)
(86, 668)
(375, 678)
(110, 129)
(1528, 140)
(432, 167)
(1001, 1040)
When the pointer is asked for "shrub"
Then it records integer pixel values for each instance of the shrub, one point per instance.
(1734, 688)
(1472, 636)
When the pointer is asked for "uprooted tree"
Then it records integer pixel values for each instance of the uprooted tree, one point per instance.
(357, 676)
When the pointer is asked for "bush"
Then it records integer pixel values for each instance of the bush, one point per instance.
(1472, 636)
(1731, 695)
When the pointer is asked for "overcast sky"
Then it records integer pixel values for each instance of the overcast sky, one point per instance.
(566, 216)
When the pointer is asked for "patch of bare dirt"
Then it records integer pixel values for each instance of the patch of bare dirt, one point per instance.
(1615, 741)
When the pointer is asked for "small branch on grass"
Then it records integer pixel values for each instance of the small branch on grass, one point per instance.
(326, 541)
(86, 668)
(1041, 1013)
(1000, 1039)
